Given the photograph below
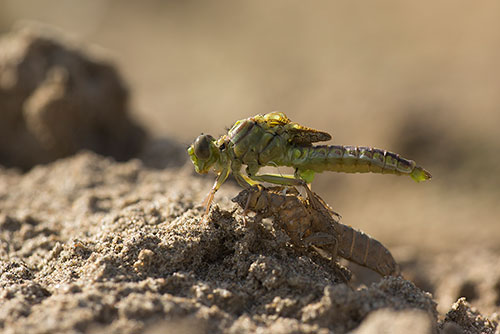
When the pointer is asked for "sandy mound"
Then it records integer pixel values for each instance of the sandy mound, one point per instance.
(91, 245)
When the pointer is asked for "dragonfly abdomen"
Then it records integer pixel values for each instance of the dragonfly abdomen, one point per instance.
(353, 159)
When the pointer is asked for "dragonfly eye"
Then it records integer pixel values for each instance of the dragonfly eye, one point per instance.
(202, 146)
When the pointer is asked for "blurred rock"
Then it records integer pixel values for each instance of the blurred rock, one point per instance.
(387, 321)
(342, 309)
(56, 100)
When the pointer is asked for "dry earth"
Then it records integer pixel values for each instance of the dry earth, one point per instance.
(92, 245)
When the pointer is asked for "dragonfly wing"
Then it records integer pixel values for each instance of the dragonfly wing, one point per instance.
(302, 135)
(279, 123)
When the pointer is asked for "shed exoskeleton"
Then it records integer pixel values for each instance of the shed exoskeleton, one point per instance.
(316, 226)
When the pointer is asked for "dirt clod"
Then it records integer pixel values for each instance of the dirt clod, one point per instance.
(56, 100)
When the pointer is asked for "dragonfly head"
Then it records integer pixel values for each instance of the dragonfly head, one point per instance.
(204, 153)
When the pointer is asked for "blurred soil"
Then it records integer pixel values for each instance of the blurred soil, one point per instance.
(92, 245)
(55, 100)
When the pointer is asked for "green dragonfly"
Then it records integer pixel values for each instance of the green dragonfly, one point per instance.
(274, 140)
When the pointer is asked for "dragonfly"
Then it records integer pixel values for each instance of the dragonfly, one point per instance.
(274, 140)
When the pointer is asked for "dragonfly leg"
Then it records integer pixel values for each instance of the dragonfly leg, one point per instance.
(244, 180)
(287, 180)
(218, 182)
